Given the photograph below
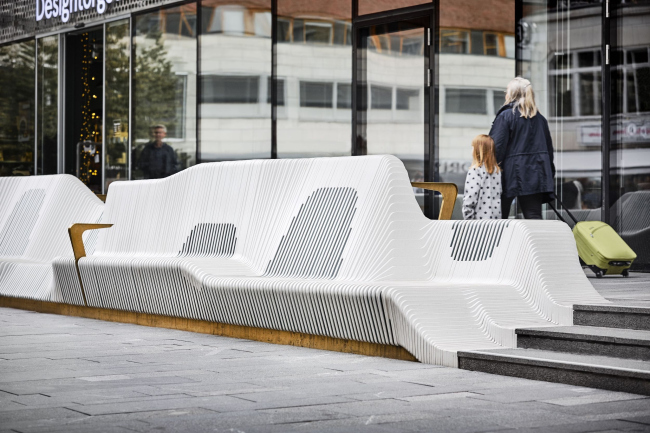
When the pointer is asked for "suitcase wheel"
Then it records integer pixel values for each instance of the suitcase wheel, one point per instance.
(625, 273)
(596, 270)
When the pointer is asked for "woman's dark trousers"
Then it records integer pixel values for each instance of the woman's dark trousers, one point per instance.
(531, 206)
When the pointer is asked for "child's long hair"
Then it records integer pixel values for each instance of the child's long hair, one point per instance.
(520, 91)
(483, 153)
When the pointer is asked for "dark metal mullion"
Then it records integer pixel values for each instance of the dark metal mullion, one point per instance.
(104, 144)
(132, 93)
(431, 160)
(36, 106)
(274, 79)
(360, 93)
(199, 30)
(129, 155)
(394, 15)
(519, 15)
(63, 99)
(606, 111)
(429, 196)
(353, 90)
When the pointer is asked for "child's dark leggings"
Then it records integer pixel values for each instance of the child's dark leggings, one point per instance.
(531, 206)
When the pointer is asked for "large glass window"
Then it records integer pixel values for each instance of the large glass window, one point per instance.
(17, 109)
(314, 67)
(47, 105)
(84, 108)
(475, 64)
(392, 95)
(235, 100)
(629, 195)
(561, 56)
(118, 53)
(164, 103)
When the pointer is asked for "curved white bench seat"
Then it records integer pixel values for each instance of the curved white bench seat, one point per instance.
(35, 213)
(329, 246)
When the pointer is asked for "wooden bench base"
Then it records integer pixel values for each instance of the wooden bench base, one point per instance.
(205, 327)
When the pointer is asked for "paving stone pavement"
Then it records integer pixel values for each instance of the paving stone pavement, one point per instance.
(634, 290)
(67, 374)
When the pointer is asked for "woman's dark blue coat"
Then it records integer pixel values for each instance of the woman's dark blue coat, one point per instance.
(524, 151)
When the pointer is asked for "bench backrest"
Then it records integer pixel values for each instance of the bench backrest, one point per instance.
(36, 211)
(297, 218)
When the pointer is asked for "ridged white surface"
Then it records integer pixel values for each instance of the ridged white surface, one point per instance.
(35, 213)
(329, 246)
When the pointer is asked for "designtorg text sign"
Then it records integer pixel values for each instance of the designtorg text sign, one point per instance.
(63, 8)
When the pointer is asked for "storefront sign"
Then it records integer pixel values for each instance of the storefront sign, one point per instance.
(627, 132)
(63, 8)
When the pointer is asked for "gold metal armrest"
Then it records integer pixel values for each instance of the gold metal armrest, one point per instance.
(76, 232)
(449, 193)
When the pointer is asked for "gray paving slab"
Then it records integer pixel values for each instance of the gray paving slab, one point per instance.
(634, 291)
(67, 374)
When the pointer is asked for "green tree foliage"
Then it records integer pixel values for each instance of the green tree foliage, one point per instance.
(117, 97)
(157, 88)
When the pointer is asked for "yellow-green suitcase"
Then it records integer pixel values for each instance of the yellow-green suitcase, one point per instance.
(600, 247)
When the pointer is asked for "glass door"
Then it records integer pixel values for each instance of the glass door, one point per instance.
(84, 111)
(394, 80)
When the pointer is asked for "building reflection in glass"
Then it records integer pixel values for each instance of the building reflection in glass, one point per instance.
(476, 62)
(629, 196)
(118, 52)
(47, 64)
(235, 103)
(17, 108)
(314, 70)
(392, 94)
(164, 91)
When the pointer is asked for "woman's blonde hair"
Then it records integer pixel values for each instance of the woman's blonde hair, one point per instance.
(521, 93)
(483, 153)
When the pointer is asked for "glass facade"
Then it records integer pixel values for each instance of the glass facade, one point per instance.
(561, 55)
(596, 125)
(314, 78)
(475, 63)
(17, 109)
(393, 94)
(213, 80)
(47, 105)
(629, 153)
(84, 94)
(164, 79)
(235, 85)
(117, 73)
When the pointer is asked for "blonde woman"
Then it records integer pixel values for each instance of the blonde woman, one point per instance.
(524, 151)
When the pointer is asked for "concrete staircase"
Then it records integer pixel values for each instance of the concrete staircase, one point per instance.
(608, 347)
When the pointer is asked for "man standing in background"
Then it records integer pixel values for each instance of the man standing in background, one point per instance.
(158, 159)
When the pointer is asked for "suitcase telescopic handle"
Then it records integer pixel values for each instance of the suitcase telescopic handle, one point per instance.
(563, 207)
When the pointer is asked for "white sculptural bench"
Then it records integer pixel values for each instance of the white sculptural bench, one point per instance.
(332, 247)
(335, 247)
(35, 213)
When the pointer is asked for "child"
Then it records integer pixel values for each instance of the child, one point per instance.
(482, 199)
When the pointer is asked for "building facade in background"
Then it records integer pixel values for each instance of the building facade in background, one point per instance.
(243, 79)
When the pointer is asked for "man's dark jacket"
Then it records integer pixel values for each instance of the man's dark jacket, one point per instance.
(524, 151)
(158, 162)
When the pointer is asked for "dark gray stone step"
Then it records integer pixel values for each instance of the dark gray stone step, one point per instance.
(602, 372)
(588, 340)
(612, 316)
